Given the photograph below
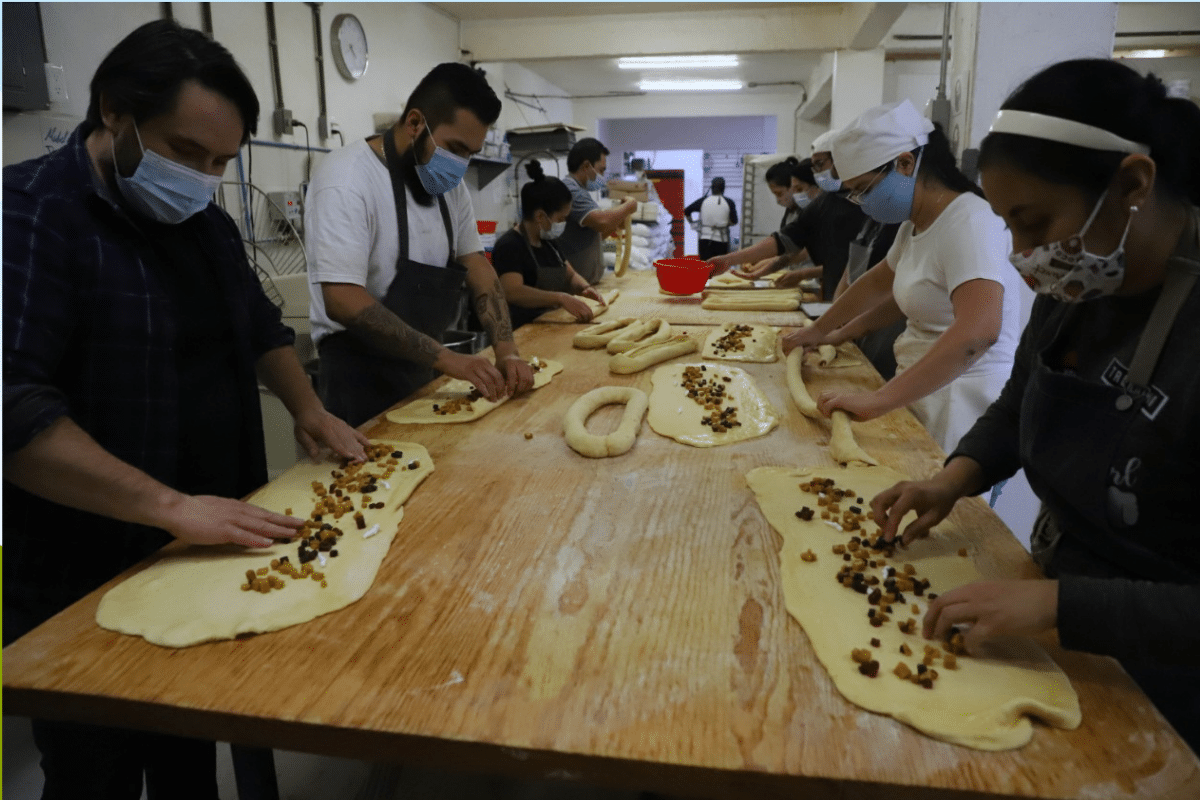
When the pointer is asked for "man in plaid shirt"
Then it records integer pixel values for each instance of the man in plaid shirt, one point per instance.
(134, 335)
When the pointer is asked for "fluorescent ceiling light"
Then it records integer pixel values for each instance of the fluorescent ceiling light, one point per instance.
(1145, 54)
(675, 62)
(689, 86)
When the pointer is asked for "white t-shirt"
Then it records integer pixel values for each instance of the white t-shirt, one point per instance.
(351, 234)
(966, 242)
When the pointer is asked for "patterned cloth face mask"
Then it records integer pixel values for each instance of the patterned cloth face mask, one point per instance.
(1066, 271)
(444, 171)
(164, 190)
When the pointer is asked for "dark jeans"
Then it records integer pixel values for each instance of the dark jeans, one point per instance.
(709, 248)
(102, 763)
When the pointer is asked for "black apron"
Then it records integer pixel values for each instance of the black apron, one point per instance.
(356, 382)
(876, 345)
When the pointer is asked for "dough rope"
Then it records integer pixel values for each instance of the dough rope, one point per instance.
(599, 335)
(735, 300)
(619, 441)
(842, 444)
(647, 355)
(796, 387)
(645, 332)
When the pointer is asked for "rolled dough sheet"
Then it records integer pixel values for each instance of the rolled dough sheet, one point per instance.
(758, 343)
(192, 594)
(456, 391)
(677, 416)
(562, 315)
(984, 703)
(728, 280)
(761, 300)
(840, 358)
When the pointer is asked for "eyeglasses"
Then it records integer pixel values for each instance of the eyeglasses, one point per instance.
(856, 196)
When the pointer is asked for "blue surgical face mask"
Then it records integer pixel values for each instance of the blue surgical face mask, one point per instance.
(164, 190)
(801, 200)
(596, 183)
(556, 230)
(444, 171)
(827, 182)
(891, 200)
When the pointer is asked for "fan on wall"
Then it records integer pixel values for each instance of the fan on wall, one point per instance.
(273, 245)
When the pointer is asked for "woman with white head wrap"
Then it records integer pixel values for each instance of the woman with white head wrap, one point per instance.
(947, 272)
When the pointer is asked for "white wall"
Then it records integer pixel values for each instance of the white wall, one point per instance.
(406, 40)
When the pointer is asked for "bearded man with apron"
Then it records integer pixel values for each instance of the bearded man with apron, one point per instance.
(392, 243)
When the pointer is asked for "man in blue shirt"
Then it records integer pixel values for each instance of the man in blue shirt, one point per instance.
(135, 332)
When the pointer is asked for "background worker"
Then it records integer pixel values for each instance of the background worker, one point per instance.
(392, 240)
(532, 271)
(717, 213)
(587, 223)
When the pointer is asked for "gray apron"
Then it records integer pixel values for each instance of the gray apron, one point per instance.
(549, 279)
(357, 382)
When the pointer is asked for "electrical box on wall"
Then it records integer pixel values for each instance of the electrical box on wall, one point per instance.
(286, 205)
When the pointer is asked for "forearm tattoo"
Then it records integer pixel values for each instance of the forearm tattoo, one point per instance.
(392, 336)
(492, 311)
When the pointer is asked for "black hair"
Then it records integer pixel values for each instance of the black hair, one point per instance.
(542, 193)
(1118, 99)
(781, 173)
(142, 75)
(449, 87)
(718, 185)
(937, 161)
(587, 149)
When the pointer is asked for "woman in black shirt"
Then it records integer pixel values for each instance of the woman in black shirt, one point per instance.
(533, 273)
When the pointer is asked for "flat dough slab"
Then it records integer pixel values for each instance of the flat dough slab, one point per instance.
(760, 300)
(985, 703)
(675, 415)
(562, 315)
(760, 346)
(421, 410)
(191, 594)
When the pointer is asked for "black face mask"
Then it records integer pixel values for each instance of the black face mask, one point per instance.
(408, 171)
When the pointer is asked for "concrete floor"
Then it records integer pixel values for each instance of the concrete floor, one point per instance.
(308, 777)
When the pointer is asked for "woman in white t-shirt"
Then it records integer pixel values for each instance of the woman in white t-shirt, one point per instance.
(947, 272)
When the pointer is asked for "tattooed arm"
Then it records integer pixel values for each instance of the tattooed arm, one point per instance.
(352, 306)
(492, 309)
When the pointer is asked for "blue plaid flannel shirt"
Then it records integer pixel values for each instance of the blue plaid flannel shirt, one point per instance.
(89, 333)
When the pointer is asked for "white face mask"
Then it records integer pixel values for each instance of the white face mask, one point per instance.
(1068, 272)
(801, 200)
(556, 230)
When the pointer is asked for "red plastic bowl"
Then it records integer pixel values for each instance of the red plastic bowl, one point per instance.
(682, 275)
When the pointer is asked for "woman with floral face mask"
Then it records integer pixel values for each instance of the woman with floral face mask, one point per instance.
(947, 272)
(532, 271)
(1097, 173)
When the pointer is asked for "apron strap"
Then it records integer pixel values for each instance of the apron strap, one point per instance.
(1183, 267)
(400, 196)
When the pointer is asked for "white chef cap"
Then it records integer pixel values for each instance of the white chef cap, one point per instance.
(877, 136)
(821, 143)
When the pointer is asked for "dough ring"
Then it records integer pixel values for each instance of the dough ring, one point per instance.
(796, 387)
(645, 332)
(619, 441)
(599, 335)
(842, 445)
(647, 355)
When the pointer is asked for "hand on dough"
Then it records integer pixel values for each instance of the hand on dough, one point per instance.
(932, 499)
(994, 608)
(860, 406)
(575, 307)
(317, 428)
(518, 375)
(203, 519)
(808, 338)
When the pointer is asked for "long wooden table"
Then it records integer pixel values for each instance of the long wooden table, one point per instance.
(617, 621)
(640, 297)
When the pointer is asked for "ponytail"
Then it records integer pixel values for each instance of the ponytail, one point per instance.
(937, 161)
(781, 173)
(542, 193)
